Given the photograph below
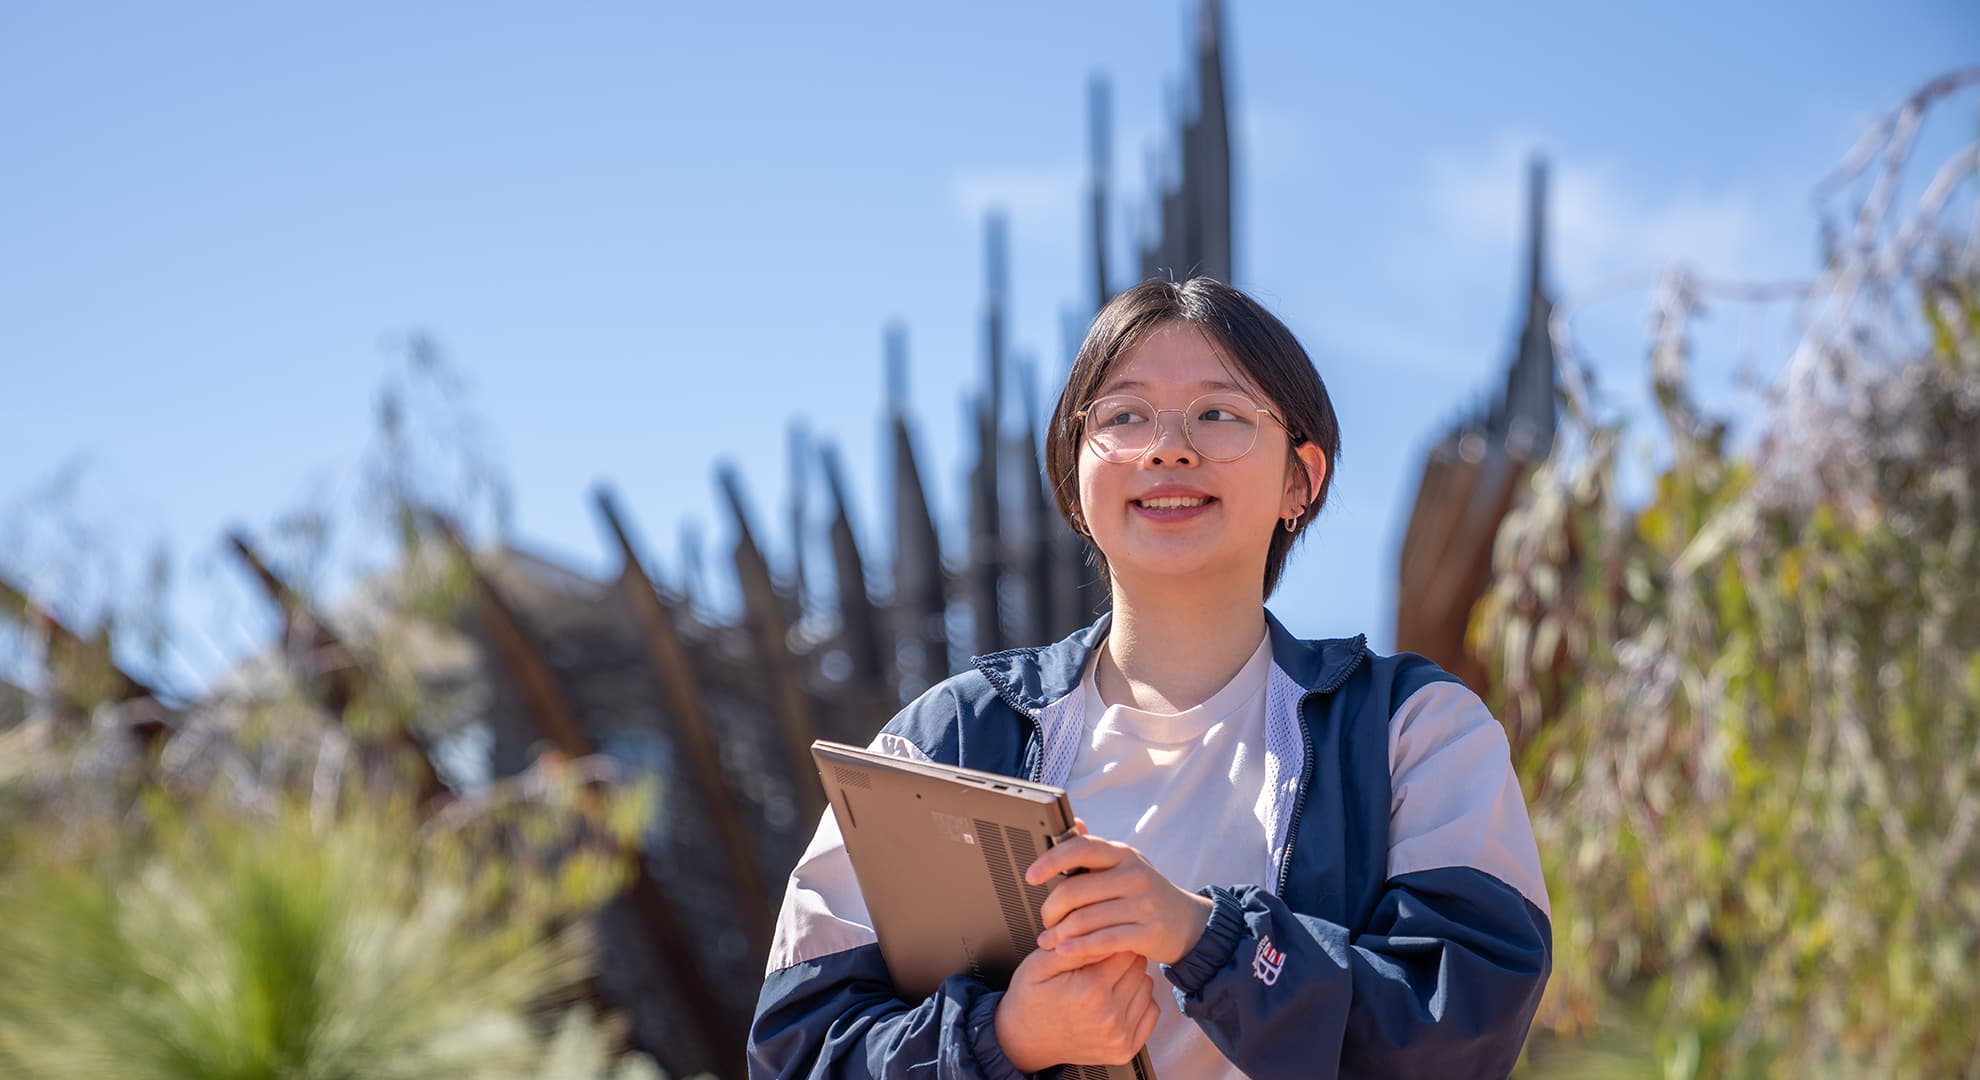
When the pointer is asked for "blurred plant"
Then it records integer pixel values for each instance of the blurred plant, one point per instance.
(431, 456)
(214, 915)
(268, 888)
(1750, 707)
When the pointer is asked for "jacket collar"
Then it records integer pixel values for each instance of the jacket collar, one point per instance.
(1033, 677)
(1321, 665)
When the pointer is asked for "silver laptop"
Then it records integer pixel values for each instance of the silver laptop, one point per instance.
(940, 852)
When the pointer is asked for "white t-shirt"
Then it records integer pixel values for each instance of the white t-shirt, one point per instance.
(1188, 791)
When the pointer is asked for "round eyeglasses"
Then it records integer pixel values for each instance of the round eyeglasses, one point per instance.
(1222, 426)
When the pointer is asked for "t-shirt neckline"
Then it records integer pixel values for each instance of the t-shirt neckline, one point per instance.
(1188, 724)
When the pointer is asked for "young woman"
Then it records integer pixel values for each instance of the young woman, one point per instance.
(1304, 859)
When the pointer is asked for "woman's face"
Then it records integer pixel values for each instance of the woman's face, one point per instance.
(1172, 513)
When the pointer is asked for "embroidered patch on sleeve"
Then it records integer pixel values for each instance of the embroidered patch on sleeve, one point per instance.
(1267, 962)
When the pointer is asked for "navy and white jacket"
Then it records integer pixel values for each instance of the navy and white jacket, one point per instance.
(1406, 932)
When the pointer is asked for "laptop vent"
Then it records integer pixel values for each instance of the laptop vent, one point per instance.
(852, 778)
(1102, 1072)
(1005, 878)
(1024, 852)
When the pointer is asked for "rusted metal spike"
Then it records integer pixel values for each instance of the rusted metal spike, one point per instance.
(521, 657)
(863, 634)
(985, 538)
(65, 646)
(557, 720)
(800, 457)
(772, 627)
(1043, 604)
(1099, 129)
(920, 598)
(321, 662)
(691, 729)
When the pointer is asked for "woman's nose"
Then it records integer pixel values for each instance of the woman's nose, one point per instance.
(1171, 445)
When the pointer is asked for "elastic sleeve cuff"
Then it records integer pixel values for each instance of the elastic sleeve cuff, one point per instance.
(982, 1027)
(1213, 950)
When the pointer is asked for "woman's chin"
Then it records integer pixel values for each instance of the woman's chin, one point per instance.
(1172, 564)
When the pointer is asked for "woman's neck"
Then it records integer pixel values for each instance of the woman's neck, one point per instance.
(1174, 650)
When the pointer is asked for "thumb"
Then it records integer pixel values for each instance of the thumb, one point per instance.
(1045, 964)
(1119, 964)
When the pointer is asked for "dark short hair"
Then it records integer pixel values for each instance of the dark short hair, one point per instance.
(1264, 351)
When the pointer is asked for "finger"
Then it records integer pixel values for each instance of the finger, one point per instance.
(1136, 995)
(1125, 938)
(1108, 970)
(1120, 966)
(1079, 826)
(1089, 917)
(1131, 879)
(1083, 852)
(1145, 1027)
(1098, 975)
(1074, 893)
(1133, 977)
(1138, 1015)
(1043, 964)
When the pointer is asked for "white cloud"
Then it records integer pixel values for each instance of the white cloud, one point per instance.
(1607, 225)
(1601, 220)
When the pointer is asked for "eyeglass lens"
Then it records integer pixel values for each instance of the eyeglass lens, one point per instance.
(1219, 427)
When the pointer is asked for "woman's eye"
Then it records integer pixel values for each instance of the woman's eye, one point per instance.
(1217, 413)
(1117, 419)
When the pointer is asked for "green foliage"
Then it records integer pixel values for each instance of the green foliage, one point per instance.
(244, 930)
(260, 896)
(1750, 709)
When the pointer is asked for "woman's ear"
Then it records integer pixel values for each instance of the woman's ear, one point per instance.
(1313, 465)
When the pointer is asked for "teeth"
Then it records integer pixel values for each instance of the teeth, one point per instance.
(1174, 502)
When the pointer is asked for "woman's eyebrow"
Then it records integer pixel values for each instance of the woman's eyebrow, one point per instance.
(1135, 384)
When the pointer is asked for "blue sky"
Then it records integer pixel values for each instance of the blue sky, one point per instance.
(649, 235)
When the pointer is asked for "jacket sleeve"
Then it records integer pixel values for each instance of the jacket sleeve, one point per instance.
(828, 1007)
(1443, 977)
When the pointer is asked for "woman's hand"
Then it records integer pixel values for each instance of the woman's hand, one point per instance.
(1120, 904)
(1062, 1011)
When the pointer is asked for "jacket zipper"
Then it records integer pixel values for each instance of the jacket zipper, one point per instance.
(1306, 741)
(1299, 797)
(1306, 771)
(1031, 716)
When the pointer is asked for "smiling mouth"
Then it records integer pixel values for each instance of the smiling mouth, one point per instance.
(1174, 502)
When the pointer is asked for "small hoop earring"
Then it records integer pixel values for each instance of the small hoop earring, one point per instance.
(1292, 523)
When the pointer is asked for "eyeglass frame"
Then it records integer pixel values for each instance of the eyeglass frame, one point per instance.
(1188, 439)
